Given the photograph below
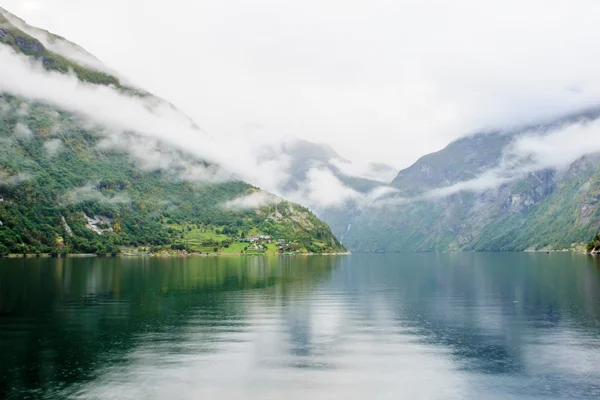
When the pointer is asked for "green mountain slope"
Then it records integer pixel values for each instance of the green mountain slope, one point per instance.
(547, 208)
(22, 42)
(63, 189)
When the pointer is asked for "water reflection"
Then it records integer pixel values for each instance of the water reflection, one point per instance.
(382, 326)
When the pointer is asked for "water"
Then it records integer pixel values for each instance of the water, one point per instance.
(431, 326)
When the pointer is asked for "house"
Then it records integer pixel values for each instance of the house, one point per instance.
(255, 248)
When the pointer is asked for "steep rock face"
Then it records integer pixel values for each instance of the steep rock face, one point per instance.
(544, 208)
(461, 160)
(70, 185)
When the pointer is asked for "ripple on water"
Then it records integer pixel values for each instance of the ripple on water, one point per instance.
(367, 326)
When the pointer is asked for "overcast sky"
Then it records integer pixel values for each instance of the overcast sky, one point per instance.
(379, 80)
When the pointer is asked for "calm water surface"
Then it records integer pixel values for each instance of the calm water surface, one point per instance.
(426, 326)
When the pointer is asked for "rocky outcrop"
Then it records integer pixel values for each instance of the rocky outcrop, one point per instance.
(546, 208)
(98, 224)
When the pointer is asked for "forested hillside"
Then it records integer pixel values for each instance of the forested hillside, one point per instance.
(542, 208)
(68, 186)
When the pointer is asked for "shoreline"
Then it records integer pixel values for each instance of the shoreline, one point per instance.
(124, 255)
(167, 255)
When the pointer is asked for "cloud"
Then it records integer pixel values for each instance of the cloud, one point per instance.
(531, 151)
(560, 147)
(4, 108)
(488, 180)
(23, 109)
(394, 80)
(322, 189)
(375, 171)
(252, 201)
(53, 147)
(22, 131)
(29, 6)
(380, 193)
(100, 104)
(152, 155)
(411, 84)
(114, 112)
(90, 193)
(7, 179)
(159, 137)
(57, 44)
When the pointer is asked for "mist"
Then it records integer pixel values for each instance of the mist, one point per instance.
(90, 193)
(158, 136)
(532, 151)
(386, 92)
(251, 201)
(390, 82)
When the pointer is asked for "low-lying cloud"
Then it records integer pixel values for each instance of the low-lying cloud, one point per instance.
(152, 155)
(322, 188)
(156, 135)
(53, 147)
(161, 134)
(90, 193)
(529, 152)
(60, 46)
(253, 200)
(22, 131)
(7, 179)
(375, 171)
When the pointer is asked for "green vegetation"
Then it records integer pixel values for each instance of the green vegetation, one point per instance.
(23, 43)
(28, 45)
(544, 210)
(594, 245)
(60, 193)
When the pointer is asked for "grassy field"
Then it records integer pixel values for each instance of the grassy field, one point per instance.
(195, 239)
(234, 248)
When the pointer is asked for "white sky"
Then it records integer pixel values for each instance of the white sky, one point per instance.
(379, 80)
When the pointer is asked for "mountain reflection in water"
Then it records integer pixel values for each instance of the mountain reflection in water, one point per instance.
(441, 326)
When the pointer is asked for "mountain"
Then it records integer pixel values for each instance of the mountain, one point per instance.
(311, 168)
(68, 184)
(484, 193)
(303, 156)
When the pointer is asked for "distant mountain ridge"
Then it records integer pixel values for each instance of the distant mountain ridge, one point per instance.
(546, 208)
(304, 155)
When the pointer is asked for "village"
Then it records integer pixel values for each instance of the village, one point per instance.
(258, 244)
(251, 245)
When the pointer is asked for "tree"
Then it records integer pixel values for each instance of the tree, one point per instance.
(3, 250)
(100, 249)
(594, 244)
